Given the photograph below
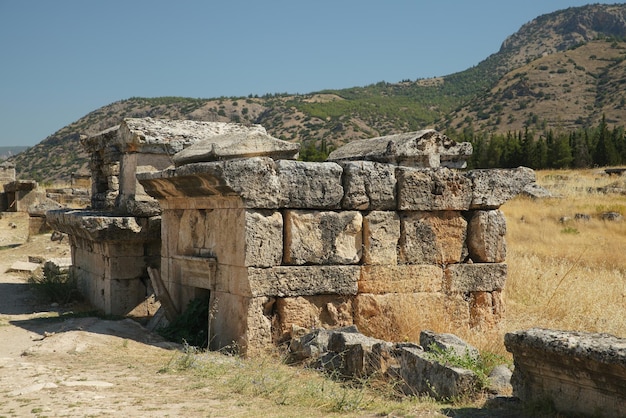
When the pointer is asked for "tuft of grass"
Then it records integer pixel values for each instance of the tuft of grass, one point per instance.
(296, 389)
(55, 285)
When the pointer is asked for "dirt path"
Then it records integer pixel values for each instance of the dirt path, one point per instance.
(82, 366)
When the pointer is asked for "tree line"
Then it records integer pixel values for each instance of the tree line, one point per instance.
(594, 146)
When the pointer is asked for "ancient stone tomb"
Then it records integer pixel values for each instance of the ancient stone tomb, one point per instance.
(389, 234)
(389, 237)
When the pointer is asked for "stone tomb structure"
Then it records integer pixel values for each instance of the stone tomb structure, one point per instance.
(118, 237)
(387, 235)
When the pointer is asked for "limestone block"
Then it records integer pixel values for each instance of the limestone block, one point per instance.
(477, 277)
(164, 136)
(425, 148)
(122, 296)
(581, 373)
(447, 342)
(263, 238)
(242, 144)
(401, 279)
(432, 237)
(422, 375)
(492, 188)
(241, 324)
(311, 312)
(368, 186)
(400, 316)
(426, 189)
(254, 180)
(486, 232)
(313, 237)
(310, 185)
(300, 281)
(351, 352)
(486, 309)
(381, 232)
(215, 233)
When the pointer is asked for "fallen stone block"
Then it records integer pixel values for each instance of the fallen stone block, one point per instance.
(579, 372)
(353, 353)
(425, 148)
(423, 375)
(447, 343)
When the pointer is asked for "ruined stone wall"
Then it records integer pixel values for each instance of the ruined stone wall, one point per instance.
(284, 244)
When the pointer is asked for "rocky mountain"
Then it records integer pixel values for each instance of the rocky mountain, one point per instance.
(563, 70)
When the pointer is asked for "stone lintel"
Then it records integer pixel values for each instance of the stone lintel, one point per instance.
(103, 226)
(20, 185)
(164, 136)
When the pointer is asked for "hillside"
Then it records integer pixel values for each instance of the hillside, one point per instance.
(565, 90)
(557, 71)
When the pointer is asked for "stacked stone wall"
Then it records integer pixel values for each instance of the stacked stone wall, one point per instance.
(298, 244)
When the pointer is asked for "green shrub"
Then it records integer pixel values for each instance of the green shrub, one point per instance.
(190, 327)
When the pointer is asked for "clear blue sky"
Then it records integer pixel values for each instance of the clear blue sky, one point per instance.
(62, 59)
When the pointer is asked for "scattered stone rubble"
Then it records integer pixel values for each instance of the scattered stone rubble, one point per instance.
(579, 372)
(276, 243)
(421, 369)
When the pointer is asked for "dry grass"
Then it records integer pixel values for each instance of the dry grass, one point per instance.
(572, 274)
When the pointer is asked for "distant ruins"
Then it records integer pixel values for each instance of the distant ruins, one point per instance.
(387, 226)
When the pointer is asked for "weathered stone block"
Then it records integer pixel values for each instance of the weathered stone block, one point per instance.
(241, 144)
(425, 148)
(301, 281)
(164, 136)
(423, 375)
(239, 323)
(254, 180)
(264, 238)
(581, 373)
(311, 312)
(432, 237)
(484, 277)
(401, 279)
(486, 232)
(430, 190)
(486, 308)
(369, 186)
(492, 188)
(323, 237)
(310, 185)
(448, 343)
(381, 232)
(396, 316)
(353, 350)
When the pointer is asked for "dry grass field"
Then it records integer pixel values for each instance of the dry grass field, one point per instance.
(565, 273)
